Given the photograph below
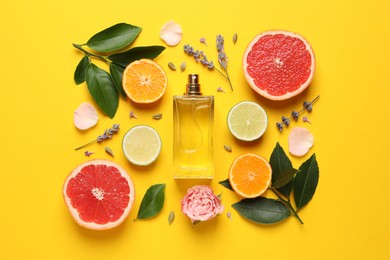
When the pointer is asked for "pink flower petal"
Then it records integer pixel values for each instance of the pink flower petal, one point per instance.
(171, 33)
(300, 141)
(85, 116)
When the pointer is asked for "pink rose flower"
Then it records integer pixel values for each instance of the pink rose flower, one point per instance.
(201, 204)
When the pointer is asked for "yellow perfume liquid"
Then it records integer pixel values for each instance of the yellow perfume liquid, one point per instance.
(193, 122)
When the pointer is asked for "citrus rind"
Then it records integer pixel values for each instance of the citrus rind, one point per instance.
(264, 93)
(142, 151)
(74, 212)
(235, 120)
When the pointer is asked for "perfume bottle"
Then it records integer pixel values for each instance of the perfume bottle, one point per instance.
(193, 122)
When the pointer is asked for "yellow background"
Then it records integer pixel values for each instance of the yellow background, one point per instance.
(348, 217)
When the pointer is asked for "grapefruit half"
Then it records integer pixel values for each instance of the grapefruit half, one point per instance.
(99, 194)
(279, 64)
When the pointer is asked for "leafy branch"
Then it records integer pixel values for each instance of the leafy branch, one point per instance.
(104, 86)
(285, 180)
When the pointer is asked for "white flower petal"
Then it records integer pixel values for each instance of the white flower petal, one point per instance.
(300, 141)
(171, 33)
(85, 116)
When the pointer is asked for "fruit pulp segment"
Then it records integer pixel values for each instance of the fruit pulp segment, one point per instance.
(142, 145)
(99, 194)
(251, 175)
(247, 121)
(279, 64)
(193, 137)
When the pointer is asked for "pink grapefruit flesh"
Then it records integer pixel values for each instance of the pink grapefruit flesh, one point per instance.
(278, 64)
(99, 194)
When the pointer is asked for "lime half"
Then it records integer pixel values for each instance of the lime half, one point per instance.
(247, 121)
(141, 145)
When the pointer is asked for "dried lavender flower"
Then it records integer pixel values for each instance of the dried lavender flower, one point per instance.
(220, 89)
(203, 40)
(108, 133)
(222, 58)
(308, 106)
(132, 115)
(87, 153)
(295, 115)
(229, 215)
(279, 126)
(306, 120)
(285, 121)
(201, 57)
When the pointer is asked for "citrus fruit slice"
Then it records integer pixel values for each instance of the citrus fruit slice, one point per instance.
(144, 81)
(247, 121)
(279, 64)
(250, 175)
(99, 194)
(141, 145)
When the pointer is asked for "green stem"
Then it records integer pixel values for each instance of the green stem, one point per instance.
(78, 148)
(80, 47)
(230, 83)
(288, 204)
(220, 72)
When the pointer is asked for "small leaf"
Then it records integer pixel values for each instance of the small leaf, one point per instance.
(286, 189)
(114, 38)
(152, 202)
(116, 76)
(305, 182)
(171, 217)
(125, 58)
(282, 169)
(102, 90)
(285, 178)
(79, 74)
(226, 184)
(262, 210)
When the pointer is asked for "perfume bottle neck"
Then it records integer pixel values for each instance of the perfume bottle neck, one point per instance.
(193, 86)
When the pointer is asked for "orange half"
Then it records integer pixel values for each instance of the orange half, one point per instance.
(250, 175)
(144, 81)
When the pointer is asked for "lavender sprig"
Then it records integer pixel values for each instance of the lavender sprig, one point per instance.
(308, 106)
(108, 133)
(201, 57)
(222, 58)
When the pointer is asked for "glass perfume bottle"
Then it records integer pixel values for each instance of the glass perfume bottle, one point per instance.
(193, 123)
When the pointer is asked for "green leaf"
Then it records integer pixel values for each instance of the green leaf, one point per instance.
(114, 38)
(281, 166)
(305, 182)
(286, 189)
(152, 202)
(262, 210)
(285, 178)
(102, 89)
(79, 74)
(116, 76)
(146, 52)
(226, 184)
